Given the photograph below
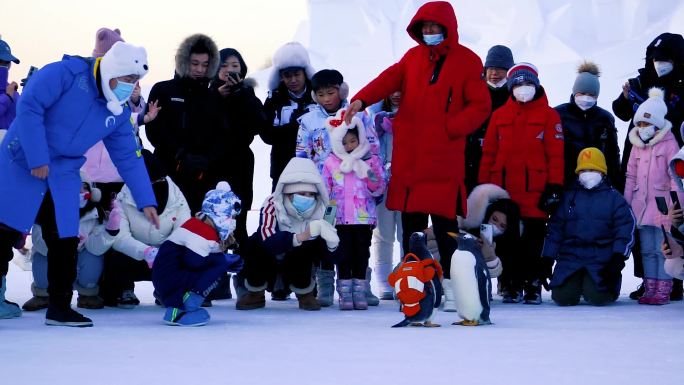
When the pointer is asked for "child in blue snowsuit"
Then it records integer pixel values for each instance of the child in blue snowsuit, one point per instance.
(192, 259)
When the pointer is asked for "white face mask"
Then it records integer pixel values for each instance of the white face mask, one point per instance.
(83, 200)
(524, 93)
(585, 102)
(663, 67)
(590, 179)
(500, 84)
(433, 39)
(496, 231)
(646, 133)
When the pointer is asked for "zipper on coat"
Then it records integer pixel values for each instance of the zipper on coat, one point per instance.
(527, 179)
(448, 102)
(437, 70)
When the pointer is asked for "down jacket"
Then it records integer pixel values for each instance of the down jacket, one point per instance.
(443, 100)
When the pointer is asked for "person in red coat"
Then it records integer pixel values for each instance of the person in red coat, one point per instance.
(443, 100)
(523, 153)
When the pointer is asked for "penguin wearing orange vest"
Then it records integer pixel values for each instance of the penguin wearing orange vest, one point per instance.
(417, 284)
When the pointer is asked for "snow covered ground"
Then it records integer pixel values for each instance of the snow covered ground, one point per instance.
(624, 343)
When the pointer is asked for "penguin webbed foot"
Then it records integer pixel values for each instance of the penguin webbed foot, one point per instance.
(466, 322)
(429, 324)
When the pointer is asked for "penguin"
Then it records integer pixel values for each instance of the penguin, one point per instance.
(408, 287)
(470, 281)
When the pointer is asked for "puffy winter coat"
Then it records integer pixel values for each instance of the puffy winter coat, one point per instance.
(586, 230)
(94, 237)
(8, 104)
(283, 112)
(137, 233)
(594, 127)
(60, 116)
(648, 176)
(443, 99)
(523, 152)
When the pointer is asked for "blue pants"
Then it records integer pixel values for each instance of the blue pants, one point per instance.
(653, 260)
(89, 268)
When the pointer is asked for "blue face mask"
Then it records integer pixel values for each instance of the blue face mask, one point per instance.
(433, 39)
(123, 90)
(302, 203)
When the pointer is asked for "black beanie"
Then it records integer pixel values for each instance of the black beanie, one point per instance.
(154, 168)
(326, 78)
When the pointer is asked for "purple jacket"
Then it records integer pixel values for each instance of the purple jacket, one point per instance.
(7, 104)
(648, 176)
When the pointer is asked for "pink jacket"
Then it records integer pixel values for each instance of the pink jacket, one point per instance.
(355, 197)
(648, 176)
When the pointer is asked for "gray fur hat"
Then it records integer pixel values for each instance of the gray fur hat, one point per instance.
(192, 43)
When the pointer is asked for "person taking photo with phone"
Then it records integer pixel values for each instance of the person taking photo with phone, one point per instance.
(10, 97)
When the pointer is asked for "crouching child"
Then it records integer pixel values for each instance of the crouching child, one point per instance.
(193, 258)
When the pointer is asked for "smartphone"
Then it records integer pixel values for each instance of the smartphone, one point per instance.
(234, 75)
(675, 200)
(662, 228)
(28, 76)
(330, 214)
(487, 232)
(662, 205)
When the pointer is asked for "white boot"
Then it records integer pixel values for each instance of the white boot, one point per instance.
(449, 301)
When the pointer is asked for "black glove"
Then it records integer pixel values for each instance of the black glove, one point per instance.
(550, 198)
(611, 272)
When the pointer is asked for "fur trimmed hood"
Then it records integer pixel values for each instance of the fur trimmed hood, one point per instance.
(637, 142)
(478, 201)
(337, 129)
(183, 55)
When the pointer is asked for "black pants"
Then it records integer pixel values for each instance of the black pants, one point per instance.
(353, 251)
(120, 273)
(413, 222)
(262, 266)
(579, 285)
(524, 264)
(8, 238)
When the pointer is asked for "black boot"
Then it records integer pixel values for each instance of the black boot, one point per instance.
(676, 293)
(532, 294)
(222, 289)
(636, 294)
(60, 313)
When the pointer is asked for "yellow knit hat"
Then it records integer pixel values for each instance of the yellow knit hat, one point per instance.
(591, 158)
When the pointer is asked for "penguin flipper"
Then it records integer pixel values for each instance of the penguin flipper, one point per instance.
(403, 323)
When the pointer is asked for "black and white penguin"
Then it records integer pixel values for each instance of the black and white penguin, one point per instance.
(412, 286)
(470, 282)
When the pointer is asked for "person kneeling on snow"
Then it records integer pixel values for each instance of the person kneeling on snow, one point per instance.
(292, 234)
(590, 236)
(190, 262)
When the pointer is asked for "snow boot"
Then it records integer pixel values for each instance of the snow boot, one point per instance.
(639, 292)
(325, 281)
(128, 300)
(650, 286)
(382, 271)
(359, 294)
(344, 291)
(192, 301)
(89, 302)
(663, 290)
(60, 313)
(532, 294)
(371, 299)
(38, 301)
(449, 299)
(239, 285)
(308, 301)
(7, 309)
(180, 317)
(252, 300)
(676, 293)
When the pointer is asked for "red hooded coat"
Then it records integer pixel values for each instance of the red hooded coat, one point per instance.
(439, 108)
(523, 152)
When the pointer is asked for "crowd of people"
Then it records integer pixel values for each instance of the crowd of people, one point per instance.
(437, 143)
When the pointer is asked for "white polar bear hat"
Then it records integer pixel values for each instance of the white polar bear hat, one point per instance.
(122, 59)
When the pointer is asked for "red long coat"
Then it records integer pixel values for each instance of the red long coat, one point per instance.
(523, 152)
(428, 161)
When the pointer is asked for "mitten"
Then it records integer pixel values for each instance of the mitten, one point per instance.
(329, 234)
(315, 228)
(550, 198)
(114, 220)
(150, 254)
(235, 262)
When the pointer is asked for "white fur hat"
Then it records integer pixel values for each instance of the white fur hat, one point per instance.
(653, 109)
(121, 60)
(292, 54)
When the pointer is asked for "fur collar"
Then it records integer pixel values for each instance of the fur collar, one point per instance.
(637, 142)
(478, 201)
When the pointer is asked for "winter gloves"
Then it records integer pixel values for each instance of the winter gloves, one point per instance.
(235, 262)
(150, 254)
(325, 230)
(114, 220)
(550, 198)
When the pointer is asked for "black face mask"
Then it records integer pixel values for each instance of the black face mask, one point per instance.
(161, 194)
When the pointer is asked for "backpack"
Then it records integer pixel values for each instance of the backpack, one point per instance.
(409, 280)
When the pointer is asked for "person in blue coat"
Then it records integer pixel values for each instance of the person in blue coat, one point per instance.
(589, 236)
(66, 108)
